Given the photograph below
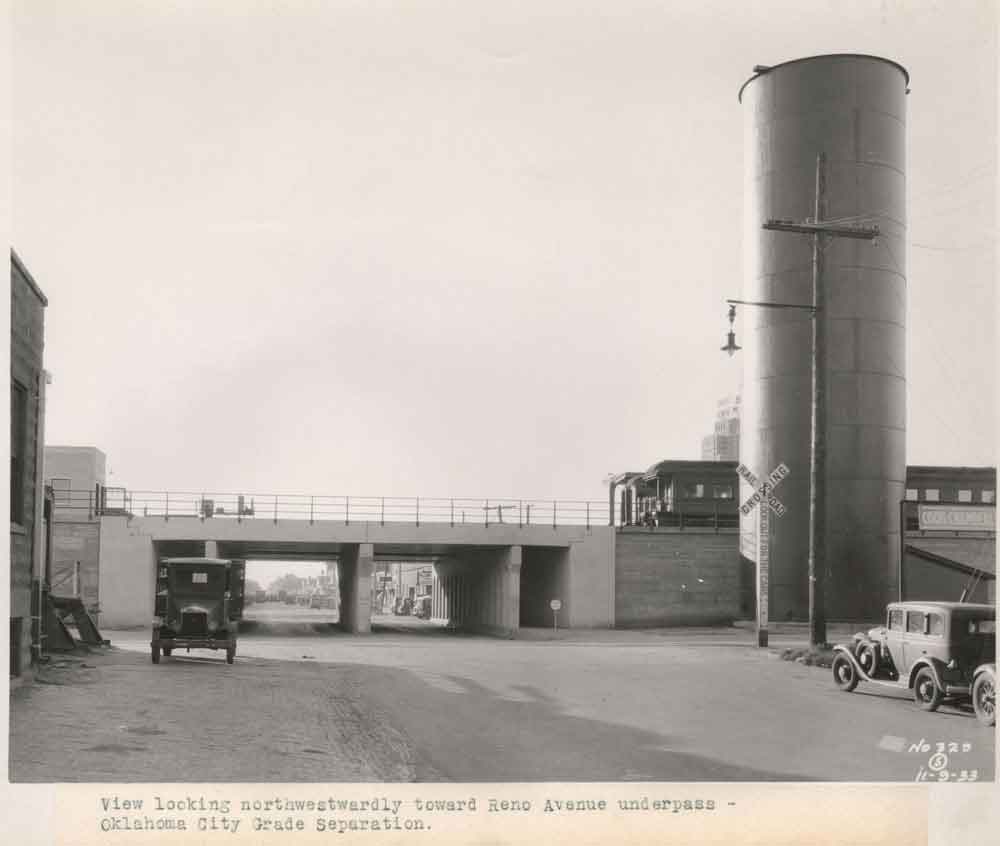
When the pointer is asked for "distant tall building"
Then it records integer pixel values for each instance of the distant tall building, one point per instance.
(724, 443)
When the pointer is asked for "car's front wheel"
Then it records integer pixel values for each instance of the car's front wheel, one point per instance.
(844, 674)
(984, 698)
(926, 692)
(868, 658)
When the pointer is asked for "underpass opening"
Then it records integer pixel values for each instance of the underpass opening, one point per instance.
(290, 598)
(402, 595)
(544, 579)
(295, 588)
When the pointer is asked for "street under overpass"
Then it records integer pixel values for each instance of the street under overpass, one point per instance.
(487, 578)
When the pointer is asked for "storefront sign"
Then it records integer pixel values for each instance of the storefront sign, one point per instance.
(957, 518)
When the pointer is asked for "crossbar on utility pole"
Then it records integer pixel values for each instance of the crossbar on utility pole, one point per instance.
(817, 470)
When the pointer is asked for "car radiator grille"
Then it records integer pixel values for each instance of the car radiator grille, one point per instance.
(194, 623)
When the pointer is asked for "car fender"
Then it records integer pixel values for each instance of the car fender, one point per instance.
(990, 668)
(846, 650)
(935, 667)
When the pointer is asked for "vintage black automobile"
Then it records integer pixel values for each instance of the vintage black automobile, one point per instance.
(984, 693)
(935, 649)
(198, 605)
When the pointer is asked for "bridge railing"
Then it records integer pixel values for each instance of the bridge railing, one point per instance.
(364, 509)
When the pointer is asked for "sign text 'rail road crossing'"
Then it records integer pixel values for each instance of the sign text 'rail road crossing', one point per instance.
(762, 493)
(762, 490)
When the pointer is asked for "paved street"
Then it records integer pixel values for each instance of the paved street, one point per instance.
(305, 702)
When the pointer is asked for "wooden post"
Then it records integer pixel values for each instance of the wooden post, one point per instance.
(817, 469)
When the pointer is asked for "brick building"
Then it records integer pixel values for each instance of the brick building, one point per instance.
(27, 416)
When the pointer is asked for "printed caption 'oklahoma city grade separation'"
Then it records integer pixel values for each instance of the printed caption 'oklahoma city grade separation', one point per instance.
(192, 812)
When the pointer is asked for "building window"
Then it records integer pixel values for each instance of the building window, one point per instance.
(18, 429)
(964, 495)
(987, 496)
(722, 491)
(932, 495)
(911, 495)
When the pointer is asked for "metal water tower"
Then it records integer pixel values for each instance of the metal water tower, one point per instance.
(850, 109)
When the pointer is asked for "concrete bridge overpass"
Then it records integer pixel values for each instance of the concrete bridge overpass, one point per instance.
(489, 576)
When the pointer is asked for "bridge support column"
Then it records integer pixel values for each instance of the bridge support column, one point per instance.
(354, 572)
(510, 597)
(211, 549)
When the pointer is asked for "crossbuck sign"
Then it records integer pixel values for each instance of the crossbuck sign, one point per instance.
(762, 494)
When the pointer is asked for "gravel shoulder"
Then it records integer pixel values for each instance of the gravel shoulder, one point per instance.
(109, 715)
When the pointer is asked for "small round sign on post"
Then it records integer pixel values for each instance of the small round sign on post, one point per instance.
(555, 605)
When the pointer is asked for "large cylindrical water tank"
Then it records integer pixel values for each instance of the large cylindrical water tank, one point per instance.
(852, 109)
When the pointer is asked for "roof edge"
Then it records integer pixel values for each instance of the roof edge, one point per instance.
(906, 73)
(15, 259)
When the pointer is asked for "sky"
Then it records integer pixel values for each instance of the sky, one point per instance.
(451, 249)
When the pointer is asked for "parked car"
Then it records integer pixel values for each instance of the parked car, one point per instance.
(422, 608)
(198, 604)
(984, 692)
(935, 649)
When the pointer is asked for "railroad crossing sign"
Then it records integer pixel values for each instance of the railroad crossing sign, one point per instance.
(762, 494)
(762, 490)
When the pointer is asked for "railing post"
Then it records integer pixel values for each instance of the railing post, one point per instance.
(588, 513)
(381, 520)
(90, 505)
(486, 513)
(716, 506)
(527, 514)
(166, 508)
(520, 516)
(453, 514)
(418, 510)
(312, 511)
(347, 511)
(275, 509)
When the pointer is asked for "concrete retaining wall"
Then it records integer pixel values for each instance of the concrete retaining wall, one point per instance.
(128, 565)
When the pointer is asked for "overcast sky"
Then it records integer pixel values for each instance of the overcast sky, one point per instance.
(451, 249)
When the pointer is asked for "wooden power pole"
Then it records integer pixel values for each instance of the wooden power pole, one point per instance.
(820, 232)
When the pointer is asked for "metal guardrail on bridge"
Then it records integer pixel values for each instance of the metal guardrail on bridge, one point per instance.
(359, 509)
(378, 510)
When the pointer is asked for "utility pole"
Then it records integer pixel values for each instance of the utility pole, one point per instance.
(820, 232)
